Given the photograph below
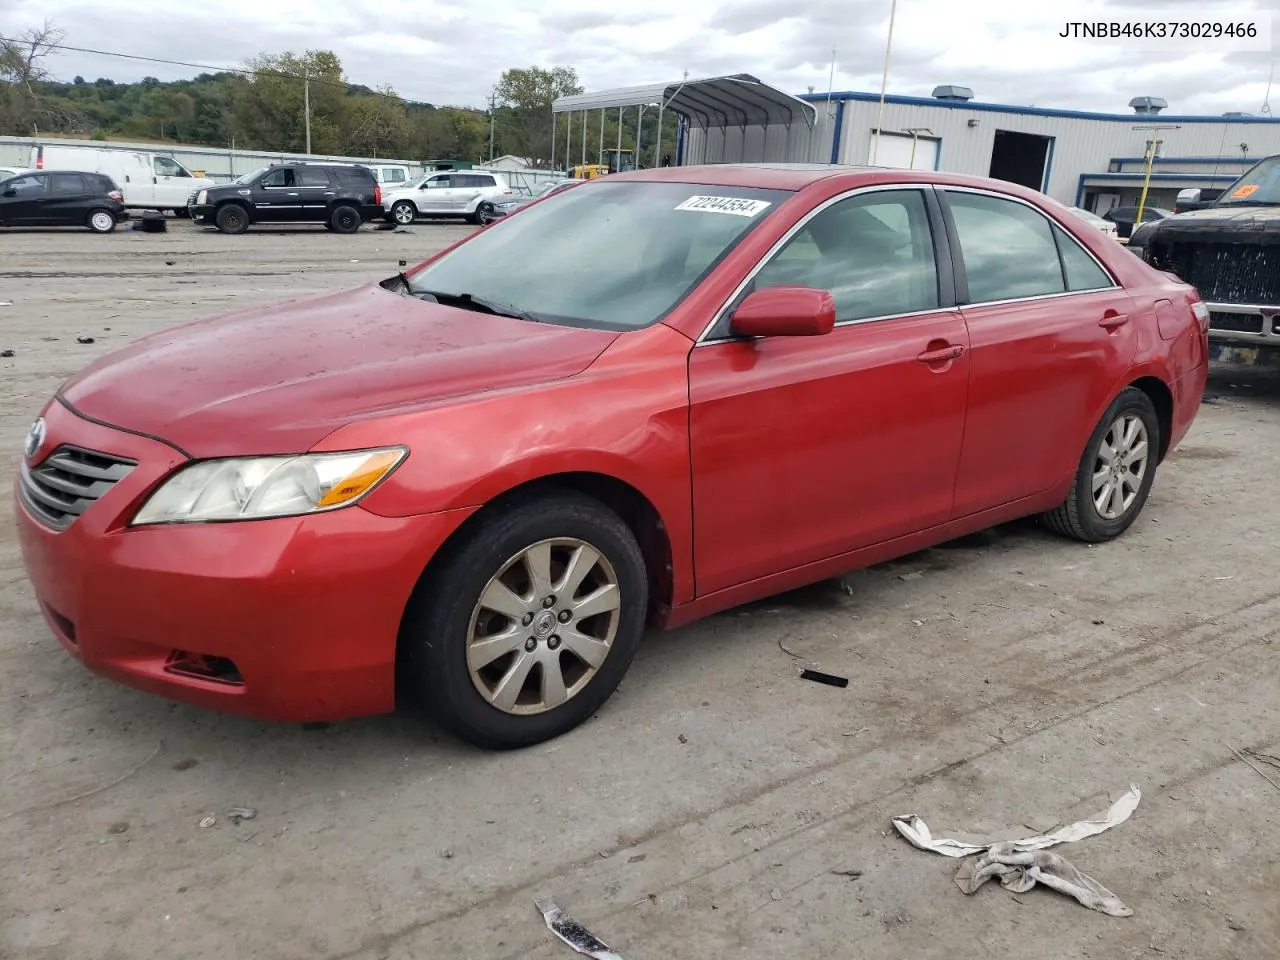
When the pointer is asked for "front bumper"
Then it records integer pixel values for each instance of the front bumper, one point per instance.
(200, 211)
(286, 619)
(1245, 325)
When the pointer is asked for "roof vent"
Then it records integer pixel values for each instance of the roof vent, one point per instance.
(949, 91)
(1148, 104)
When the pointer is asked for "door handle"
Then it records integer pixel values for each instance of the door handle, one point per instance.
(1112, 321)
(293, 194)
(941, 354)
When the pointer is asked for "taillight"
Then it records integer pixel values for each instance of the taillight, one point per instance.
(117, 196)
(377, 195)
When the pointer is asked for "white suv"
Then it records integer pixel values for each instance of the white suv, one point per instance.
(449, 193)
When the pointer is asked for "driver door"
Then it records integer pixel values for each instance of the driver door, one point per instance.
(276, 197)
(438, 195)
(24, 199)
(171, 181)
(805, 448)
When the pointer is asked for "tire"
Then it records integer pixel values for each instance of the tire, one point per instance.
(344, 218)
(232, 218)
(101, 221)
(435, 646)
(404, 213)
(484, 214)
(1080, 517)
(474, 215)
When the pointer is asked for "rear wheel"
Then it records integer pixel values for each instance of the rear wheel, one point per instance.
(344, 219)
(529, 625)
(404, 212)
(101, 221)
(232, 218)
(485, 213)
(1115, 474)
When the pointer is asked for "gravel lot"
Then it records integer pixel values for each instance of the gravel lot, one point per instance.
(703, 813)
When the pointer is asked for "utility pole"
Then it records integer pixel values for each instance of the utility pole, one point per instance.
(884, 82)
(306, 106)
(493, 118)
(1153, 146)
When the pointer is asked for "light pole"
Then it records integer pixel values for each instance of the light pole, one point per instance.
(884, 82)
(1152, 146)
(640, 127)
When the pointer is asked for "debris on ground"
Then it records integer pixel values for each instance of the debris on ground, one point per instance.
(1016, 861)
(790, 653)
(851, 874)
(1265, 758)
(913, 575)
(85, 340)
(573, 933)
(236, 814)
(120, 827)
(208, 822)
(828, 678)
(403, 230)
(1020, 870)
(6, 353)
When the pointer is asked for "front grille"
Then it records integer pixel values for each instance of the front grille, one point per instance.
(70, 481)
(1223, 272)
(1235, 322)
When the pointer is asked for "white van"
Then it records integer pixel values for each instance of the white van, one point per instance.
(150, 181)
(390, 176)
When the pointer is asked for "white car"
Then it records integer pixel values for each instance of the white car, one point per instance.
(1106, 226)
(447, 193)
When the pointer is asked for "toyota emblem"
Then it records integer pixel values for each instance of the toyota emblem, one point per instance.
(35, 438)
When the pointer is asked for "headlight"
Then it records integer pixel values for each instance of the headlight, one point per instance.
(202, 197)
(253, 488)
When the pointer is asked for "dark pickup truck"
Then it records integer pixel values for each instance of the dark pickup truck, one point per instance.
(1230, 252)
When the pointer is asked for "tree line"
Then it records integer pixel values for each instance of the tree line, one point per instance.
(263, 107)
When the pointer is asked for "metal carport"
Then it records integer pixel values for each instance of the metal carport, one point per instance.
(738, 101)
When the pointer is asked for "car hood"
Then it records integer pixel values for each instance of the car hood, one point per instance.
(278, 379)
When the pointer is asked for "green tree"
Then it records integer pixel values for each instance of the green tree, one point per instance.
(526, 95)
(271, 110)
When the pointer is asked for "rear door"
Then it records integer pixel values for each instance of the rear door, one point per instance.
(315, 189)
(1050, 338)
(69, 196)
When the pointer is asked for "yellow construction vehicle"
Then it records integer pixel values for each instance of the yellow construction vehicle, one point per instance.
(611, 161)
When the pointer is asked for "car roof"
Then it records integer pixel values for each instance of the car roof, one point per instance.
(797, 176)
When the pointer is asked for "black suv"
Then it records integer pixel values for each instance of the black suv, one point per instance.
(57, 198)
(339, 195)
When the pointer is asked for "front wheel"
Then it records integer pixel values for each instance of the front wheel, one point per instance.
(232, 218)
(529, 626)
(1115, 473)
(404, 213)
(102, 221)
(485, 214)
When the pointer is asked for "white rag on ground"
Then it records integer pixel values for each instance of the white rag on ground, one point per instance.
(1020, 864)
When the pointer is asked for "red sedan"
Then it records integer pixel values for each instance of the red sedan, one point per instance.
(642, 401)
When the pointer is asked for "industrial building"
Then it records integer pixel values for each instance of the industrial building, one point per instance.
(1090, 160)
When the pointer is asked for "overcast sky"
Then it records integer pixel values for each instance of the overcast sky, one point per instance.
(453, 51)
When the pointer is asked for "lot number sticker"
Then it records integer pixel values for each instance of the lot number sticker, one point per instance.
(738, 206)
(1248, 190)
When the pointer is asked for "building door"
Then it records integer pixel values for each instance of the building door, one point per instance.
(1021, 158)
(903, 152)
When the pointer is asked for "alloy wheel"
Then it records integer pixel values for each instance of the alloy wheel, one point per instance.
(543, 626)
(1121, 463)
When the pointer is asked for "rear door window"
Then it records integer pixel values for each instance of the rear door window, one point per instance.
(69, 185)
(1008, 248)
(312, 177)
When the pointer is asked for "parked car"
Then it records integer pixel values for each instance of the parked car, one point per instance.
(391, 176)
(1126, 217)
(148, 180)
(61, 198)
(1228, 252)
(341, 196)
(1106, 226)
(499, 207)
(479, 486)
(7, 172)
(450, 193)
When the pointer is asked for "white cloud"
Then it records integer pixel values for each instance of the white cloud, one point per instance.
(454, 51)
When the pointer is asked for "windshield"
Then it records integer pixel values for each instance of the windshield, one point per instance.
(249, 177)
(613, 255)
(1259, 186)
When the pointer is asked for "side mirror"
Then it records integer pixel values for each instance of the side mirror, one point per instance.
(785, 312)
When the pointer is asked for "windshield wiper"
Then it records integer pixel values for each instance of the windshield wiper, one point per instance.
(471, 302)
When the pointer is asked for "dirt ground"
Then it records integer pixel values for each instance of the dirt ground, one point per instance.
(705, 811)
